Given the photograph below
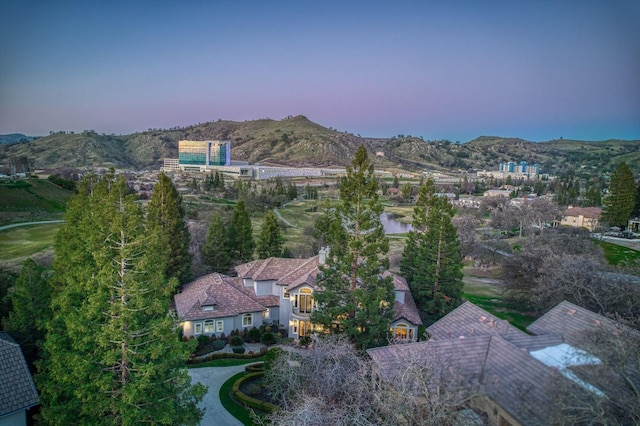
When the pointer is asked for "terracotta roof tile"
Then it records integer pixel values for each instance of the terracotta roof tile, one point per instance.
(590, 212)
(223, 292)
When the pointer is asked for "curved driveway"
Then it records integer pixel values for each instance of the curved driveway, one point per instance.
(15, 225)
(214, 378)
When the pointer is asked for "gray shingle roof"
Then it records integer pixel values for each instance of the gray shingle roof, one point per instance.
(17, 390)
(570, 321)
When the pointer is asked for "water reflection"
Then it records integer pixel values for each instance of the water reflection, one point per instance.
(392, 226)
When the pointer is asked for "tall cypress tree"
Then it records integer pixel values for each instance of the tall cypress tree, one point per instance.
(112, 355)
(241, 235)
(216, 251)
(353, 298)
(620, 203)
(432, 261)
(30, 309)
(166, 211)
(270, 241)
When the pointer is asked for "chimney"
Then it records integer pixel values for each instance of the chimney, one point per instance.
(322, 255)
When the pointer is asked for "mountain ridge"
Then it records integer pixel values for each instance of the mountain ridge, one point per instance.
(297, 141)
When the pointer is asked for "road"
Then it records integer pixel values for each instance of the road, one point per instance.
(42, 222)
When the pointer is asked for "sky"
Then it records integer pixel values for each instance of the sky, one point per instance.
(456, 70)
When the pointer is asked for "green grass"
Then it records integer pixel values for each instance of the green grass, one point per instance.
(31, 200)
(514, 313)
(227, 362)
(617, 255)
(20, 243)
(239, 412)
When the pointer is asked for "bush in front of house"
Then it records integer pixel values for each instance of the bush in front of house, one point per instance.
(238, 349)
(254, 335)
(218, 344)
(236, 341)
(268, 338)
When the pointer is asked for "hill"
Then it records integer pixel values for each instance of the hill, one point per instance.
(31, 200)
(14, 138)
(297, 141)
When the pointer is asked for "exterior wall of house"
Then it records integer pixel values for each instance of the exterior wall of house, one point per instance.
(264, 288)
(400, 296)
(16, 419)
(580, 222)
(404, 331)
(496, 416)
(285, 306)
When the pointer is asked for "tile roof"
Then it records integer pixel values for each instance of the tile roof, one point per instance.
(225, 294)
(470, 320)
(407, 310)
(487, 365)
(273, 268)
(571, 321)
(399, 283)
(17, 390)
(590, 212)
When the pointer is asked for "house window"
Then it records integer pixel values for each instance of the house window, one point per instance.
(207, 308)
(266, 313)
(295, 326)
(401, 332)
(219, 326)
(304, 301)
(247, 320)
(285, 293)
(208, 326)
(197, 328)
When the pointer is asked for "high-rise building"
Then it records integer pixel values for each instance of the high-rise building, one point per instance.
(204, 153)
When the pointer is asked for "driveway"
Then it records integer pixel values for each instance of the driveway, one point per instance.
(214, 377)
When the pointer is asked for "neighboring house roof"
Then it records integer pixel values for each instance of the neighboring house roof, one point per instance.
(589, 212)
(487, 365)
(571, 321)
(469, 320)
(407, 310)
(292, 273)
(223, 292)
(17, 390)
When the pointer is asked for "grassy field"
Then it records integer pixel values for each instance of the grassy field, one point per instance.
(30, 200)
(18, 244)
(617, 255)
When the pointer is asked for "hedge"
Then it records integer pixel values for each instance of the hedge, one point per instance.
(224, 355)
(249, 401)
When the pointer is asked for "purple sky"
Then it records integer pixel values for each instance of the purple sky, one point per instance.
(438, 69)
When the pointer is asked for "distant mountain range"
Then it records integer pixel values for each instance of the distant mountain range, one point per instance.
(297, 141)
(14, 138)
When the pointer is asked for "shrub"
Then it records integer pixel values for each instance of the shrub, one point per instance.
(218, 344)
(254, 335)
(238, 349)
(305, 341)
(268, 338)
(253, 389)
(236, 341)
(203, 341)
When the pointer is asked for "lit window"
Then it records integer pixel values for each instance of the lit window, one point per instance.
(247, 320)
(266, 313)
(197, 328)
(208, 326)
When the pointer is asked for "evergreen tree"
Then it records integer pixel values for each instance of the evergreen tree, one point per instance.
(7, 281)
(241, 235)
(621, 201)
(270, 240)
(30, 300)
(354, 298)
(112, 354)
(216, 251)
(166, 212)
(292, 191)
(431, 261)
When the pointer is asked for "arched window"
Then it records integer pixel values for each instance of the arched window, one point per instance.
(401, 331)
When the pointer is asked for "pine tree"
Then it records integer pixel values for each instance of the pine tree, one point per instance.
(112, 353)
(216, 251)
(353, 297)
(166, 211)
(241, 235)
(620, 203)
(30, 300)
(270, 240)
(431, 261)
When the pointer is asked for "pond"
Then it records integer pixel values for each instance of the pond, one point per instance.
(392, 226)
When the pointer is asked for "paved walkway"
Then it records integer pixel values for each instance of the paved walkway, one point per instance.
(214, 377)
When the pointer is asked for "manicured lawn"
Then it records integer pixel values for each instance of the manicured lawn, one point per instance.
(240, 413)
(18, 244)
(616, 254)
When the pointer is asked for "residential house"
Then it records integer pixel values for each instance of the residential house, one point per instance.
(276, 291)
(497, 193)
(581, 217)
(497, 369)
(17, 390)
